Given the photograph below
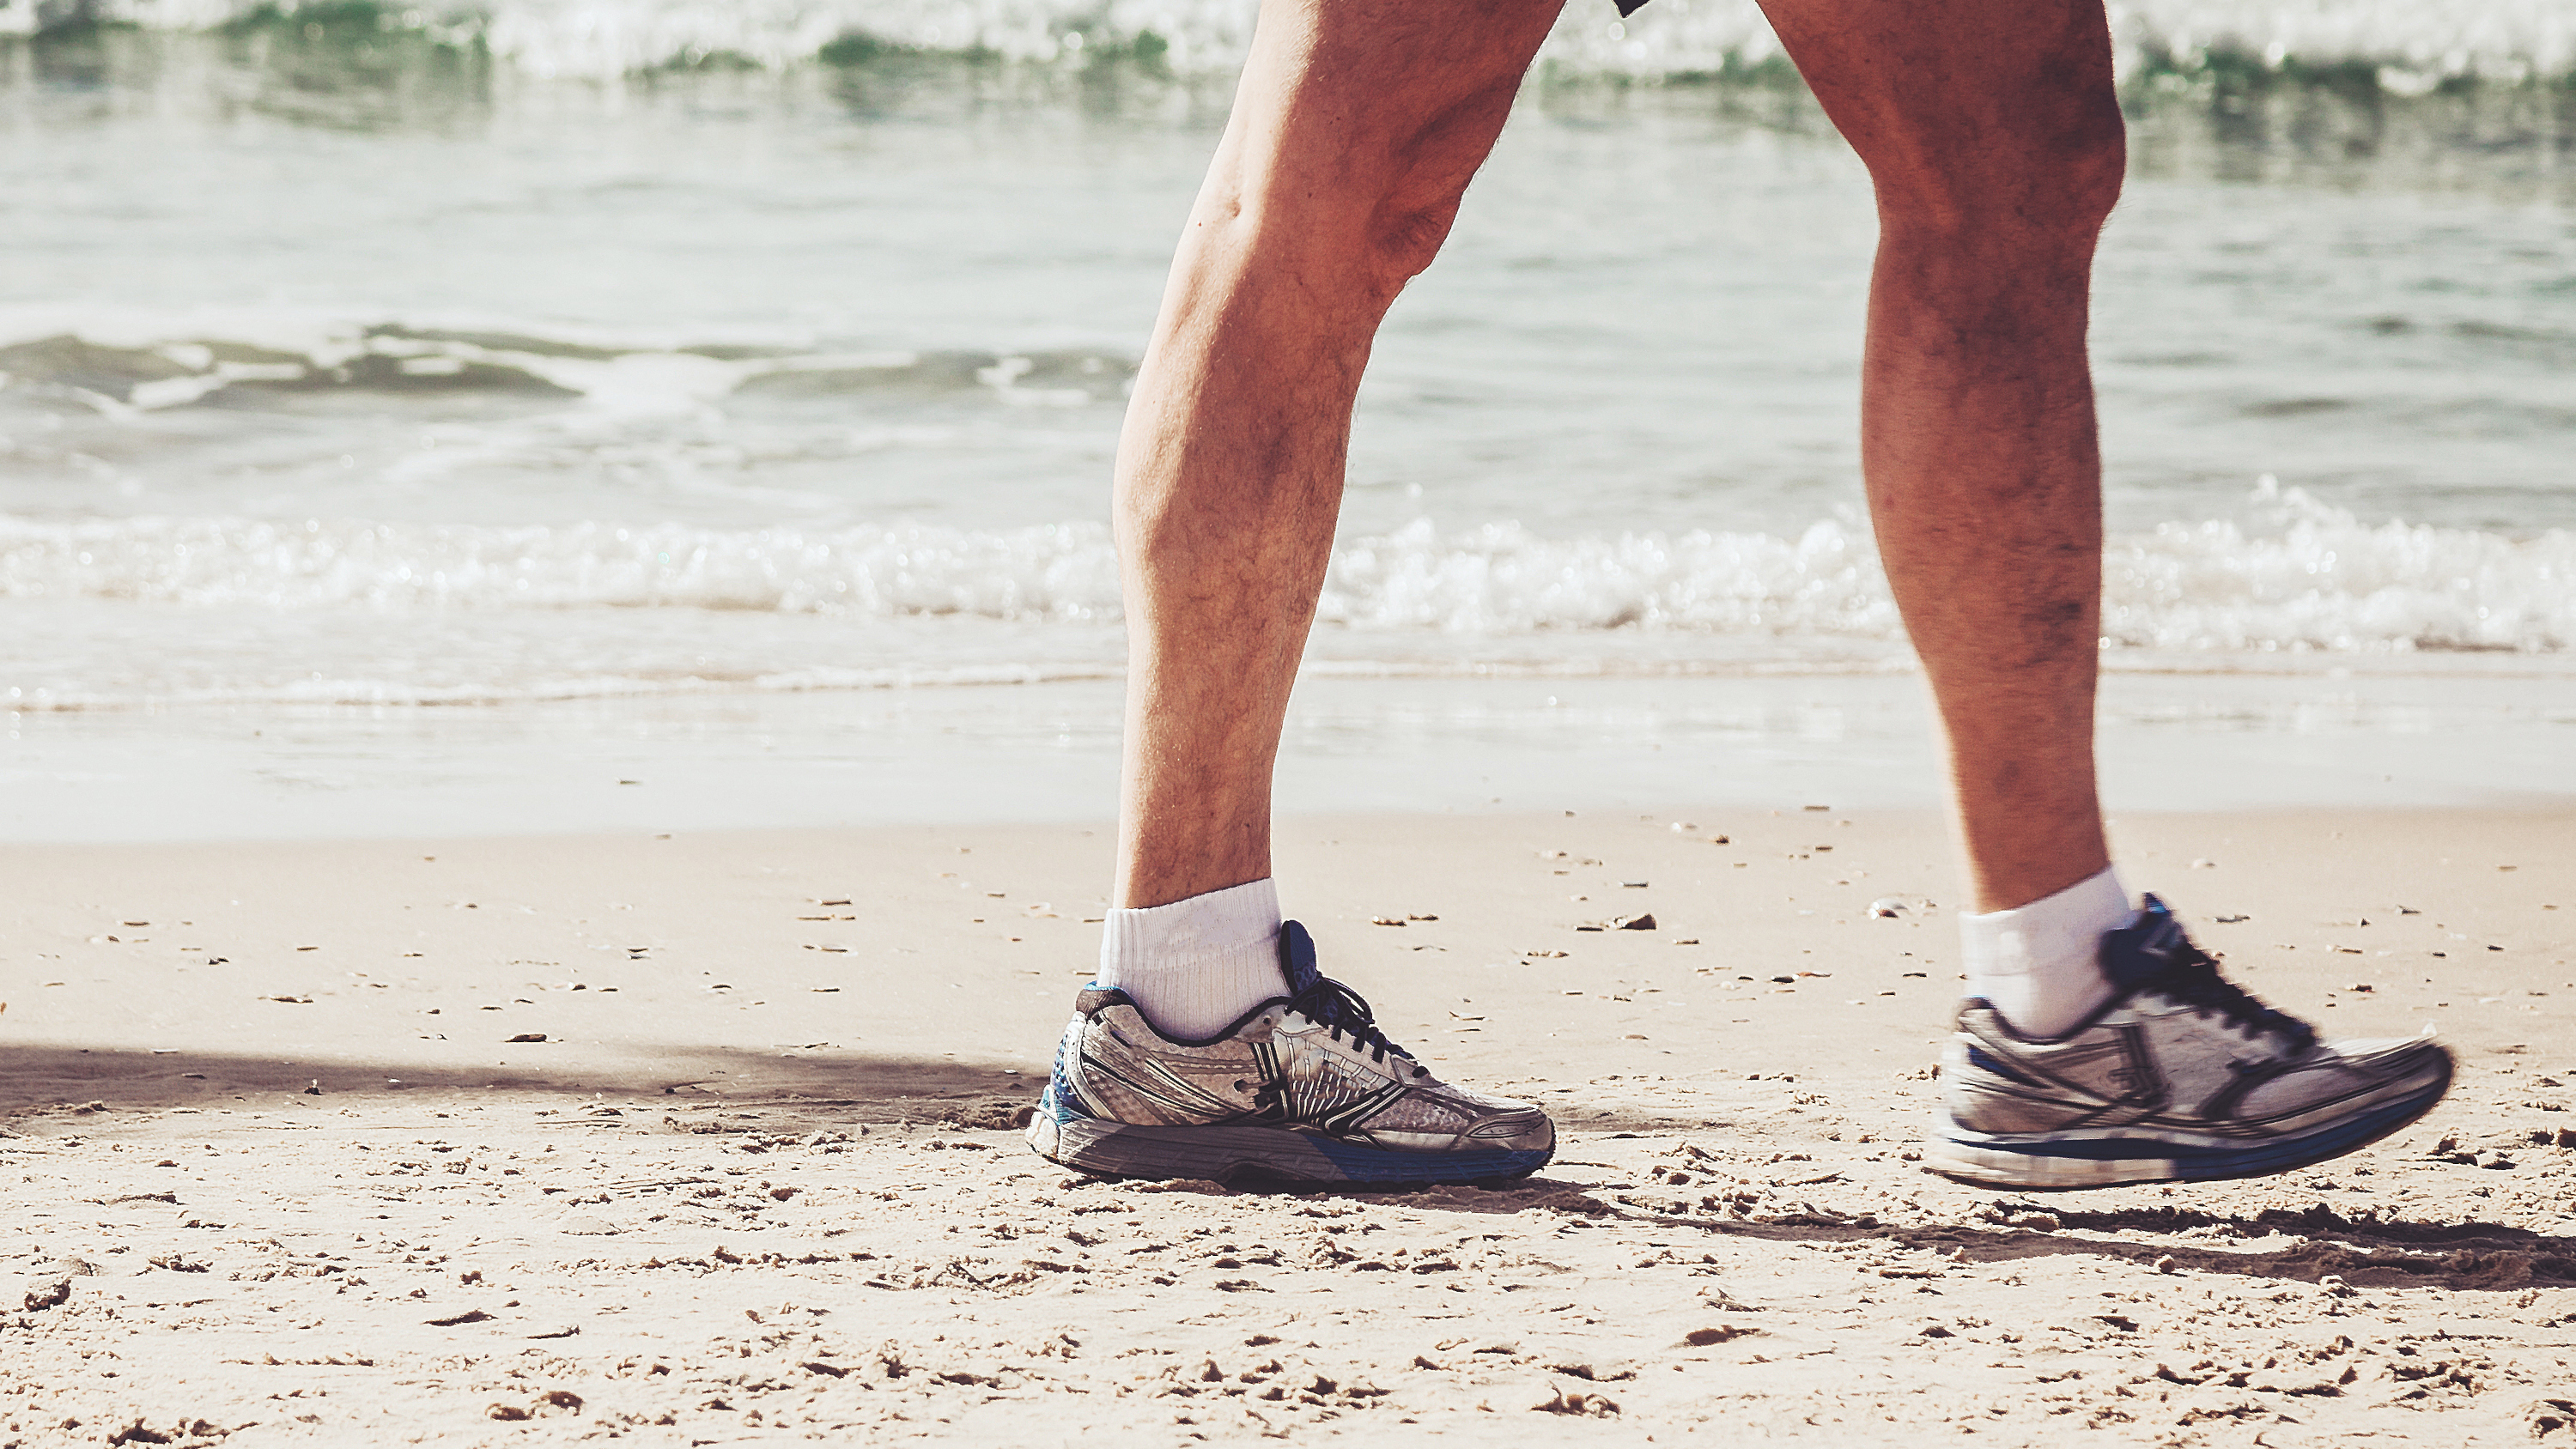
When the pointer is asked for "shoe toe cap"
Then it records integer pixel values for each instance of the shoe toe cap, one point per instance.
(1524, 1131)
(2348, 1076)
(2393, 1056)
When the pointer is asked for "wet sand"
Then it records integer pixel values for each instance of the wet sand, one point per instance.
(706, 1139)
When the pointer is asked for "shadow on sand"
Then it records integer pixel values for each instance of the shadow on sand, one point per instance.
(61, 1092)
(2308, 1246)
(42, 1086)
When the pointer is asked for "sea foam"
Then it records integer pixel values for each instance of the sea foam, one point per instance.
(2297, 576)
(2418, 43)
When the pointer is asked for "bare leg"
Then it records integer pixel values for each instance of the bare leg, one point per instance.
(1991, 131)
(1989, 128)
(1995, 142)
(1355, 131)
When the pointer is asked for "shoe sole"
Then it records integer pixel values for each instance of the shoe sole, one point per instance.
(1234, 1155)
(2066, 1162)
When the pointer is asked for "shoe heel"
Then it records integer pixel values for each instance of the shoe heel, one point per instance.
(1985, 1167)
(1045, 1134)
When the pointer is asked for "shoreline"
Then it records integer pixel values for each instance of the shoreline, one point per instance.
(1388, 745)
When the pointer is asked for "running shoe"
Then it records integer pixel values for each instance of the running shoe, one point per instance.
(1305, 1088)
(2181, 1076)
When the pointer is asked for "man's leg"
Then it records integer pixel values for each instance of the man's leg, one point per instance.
(1211, 1045)
(1356, 128)
(1994, 140)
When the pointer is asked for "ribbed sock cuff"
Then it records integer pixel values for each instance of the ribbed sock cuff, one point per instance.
(1194, 966)
(2040, 964)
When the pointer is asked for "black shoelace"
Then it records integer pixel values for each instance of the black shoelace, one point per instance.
(2195, 981)
(1341, 1010)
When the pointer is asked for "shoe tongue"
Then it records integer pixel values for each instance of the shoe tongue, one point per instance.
(2151, 944)
(1297, 957)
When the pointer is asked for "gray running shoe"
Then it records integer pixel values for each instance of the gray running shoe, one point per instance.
(1304, 1088)
(2180, 1077)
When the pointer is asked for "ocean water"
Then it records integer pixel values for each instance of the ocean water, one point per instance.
(615, 356)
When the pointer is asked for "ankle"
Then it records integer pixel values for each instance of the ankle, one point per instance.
(2039, 965)
(1195, 966)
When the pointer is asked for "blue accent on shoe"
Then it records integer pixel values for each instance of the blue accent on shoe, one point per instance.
(1060, 1104)
(1359, 1162)
(2202, 1164)
(1297, 957)
(2145, 948)
(1984, 1060)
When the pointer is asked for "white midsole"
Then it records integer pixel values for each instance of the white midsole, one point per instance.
(2020, 1169)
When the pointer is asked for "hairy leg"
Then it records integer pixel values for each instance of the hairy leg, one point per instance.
(1356, 128)
(1994, 141)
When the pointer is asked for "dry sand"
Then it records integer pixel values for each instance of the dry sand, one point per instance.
(284, 1158)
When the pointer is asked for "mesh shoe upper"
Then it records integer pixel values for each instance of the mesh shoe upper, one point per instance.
(2180, 1049)
(1314, 1060)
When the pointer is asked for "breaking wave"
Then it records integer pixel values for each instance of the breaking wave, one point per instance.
(2414, 46)
(2300, 576)
(622, 374)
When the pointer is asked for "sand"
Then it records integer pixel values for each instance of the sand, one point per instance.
(706, 1140)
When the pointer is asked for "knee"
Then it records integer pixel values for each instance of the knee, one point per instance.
(1359, 213)
(2044, 174)
(2079, 165)
(1421, 178)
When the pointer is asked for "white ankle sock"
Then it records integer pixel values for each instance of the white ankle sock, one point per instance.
(2040, 964)
(1194, 966)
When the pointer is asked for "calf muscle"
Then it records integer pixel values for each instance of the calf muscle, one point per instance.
(1358, 125)
(1993, 138)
